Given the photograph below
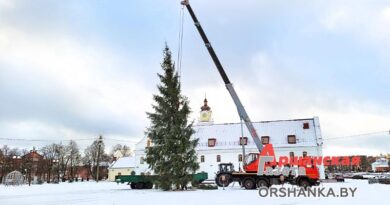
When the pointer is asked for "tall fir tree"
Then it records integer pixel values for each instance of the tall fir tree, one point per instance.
(172, 153)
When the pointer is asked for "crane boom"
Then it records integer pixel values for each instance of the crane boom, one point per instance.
(229, 86)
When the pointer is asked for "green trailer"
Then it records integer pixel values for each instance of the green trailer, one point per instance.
(147, 181)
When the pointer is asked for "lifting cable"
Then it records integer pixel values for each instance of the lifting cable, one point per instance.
(180, 42)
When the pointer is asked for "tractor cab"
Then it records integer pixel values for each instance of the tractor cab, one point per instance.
(226, 168)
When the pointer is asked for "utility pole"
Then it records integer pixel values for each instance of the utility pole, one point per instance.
(100, 141)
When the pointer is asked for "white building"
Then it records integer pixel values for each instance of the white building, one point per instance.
(380, 165)
(122, 166)
(220, 143)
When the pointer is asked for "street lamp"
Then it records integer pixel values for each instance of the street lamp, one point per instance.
(100, 142)
(14, 161)
(55, 161)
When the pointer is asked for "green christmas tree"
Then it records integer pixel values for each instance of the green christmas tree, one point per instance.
(172, 153)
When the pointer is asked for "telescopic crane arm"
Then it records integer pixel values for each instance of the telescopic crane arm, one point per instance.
(240, 108)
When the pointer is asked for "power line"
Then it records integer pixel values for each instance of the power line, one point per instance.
(42, 140)
(359, 135)
(370, 134)
(55, 140)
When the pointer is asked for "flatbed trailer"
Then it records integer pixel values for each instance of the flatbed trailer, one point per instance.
(147, 181)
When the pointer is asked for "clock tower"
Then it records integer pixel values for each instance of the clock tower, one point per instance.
(205, 113)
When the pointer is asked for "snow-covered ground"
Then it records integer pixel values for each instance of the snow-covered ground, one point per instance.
(111, 193)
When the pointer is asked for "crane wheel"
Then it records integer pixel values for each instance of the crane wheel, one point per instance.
(304, 183)
(262, 183)
(249, 183)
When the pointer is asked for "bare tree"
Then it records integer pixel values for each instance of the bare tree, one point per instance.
(50, 153)
(63, 159)
(91, 156)
(124, 150)
(74, 156)
(5, 161)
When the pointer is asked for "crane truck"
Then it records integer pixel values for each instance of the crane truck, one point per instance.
(248, 178)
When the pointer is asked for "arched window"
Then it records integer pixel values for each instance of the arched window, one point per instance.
(202, 158)
(291, 154)
(304, 154)
(240, 157)
(142, 159)
(218, 158)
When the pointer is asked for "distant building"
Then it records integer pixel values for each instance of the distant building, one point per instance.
(34, 163)
(123, 166)
(221, 143)
(381, 165)
(122, 153)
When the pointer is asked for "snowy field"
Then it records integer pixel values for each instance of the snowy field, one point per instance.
(111, 193)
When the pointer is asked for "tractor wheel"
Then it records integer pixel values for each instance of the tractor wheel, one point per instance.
(132, 186)
(262, 183)
(304, 183)
(139, 185)
(249, 183)
(148, 185)
(223, 180)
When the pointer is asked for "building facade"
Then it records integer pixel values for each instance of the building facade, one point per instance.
(222, 143)
(381, 165)
(122, 166)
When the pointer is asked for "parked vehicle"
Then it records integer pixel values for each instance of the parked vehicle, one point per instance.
(339, 178)
(147, 181)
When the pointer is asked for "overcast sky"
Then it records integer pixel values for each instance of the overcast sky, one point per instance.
(77, 69)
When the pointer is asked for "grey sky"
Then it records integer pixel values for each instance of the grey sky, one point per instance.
(76, 69)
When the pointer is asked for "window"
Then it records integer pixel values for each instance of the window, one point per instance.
(141, 161)
(218, 158)
(240, 157)
(306, 125)
(304, 154)
(212, 142)
(291, 154)
(148, 143)
(243, 140)
(291, 139)
(265, 139)
(202, 158)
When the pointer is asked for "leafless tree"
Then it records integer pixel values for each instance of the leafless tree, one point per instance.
(50, 153)
(124, 150)
(74, 157)
(91, 156)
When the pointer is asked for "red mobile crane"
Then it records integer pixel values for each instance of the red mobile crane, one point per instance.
(248, 179)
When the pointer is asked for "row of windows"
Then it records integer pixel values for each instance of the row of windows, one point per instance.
(291, 139)
(202, 157)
